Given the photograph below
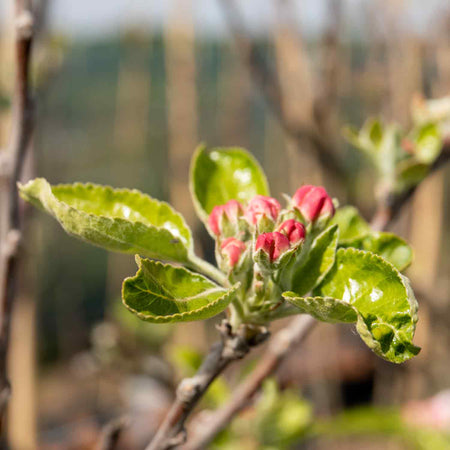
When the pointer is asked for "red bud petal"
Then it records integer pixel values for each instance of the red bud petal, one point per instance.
(313, 202)
(274, 244)
(293, 230)
(233, 249)
(232, 209)
(260, 206)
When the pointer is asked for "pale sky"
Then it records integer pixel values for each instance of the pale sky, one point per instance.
(97, 17)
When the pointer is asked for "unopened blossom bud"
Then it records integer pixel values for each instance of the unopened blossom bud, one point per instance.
(293, 230)
(232, 249)
(231, 211)
(274, 244)
(408, 145)
(313, 202)
(261, 207)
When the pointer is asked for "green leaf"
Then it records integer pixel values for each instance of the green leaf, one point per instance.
(428, 142)
(326, 309)
(313, 263)
(368, 139)
(351, 225)
(364, 288)
(222, 174)
(373, 132)
(380, 143)
(282, 418)
(120, 220)
(410, 172)
(355, 232)
(165, 293)
(383, 298)
(389, 246)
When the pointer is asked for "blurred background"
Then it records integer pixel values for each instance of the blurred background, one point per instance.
(125, 90)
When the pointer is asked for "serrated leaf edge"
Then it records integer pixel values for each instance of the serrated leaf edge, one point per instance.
(118, 220)
(376, 347)
(173, 317)
(289, 296)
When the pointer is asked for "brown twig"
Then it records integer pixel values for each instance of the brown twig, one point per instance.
(111, 433)
(233, 346)
(280, 346)
(266, 79)
(15, 157)
(390, 206)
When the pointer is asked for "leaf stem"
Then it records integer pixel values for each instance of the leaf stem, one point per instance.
(204, 267)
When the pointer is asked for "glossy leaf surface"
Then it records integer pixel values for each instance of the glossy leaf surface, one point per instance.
(326, 309)
(355, 232)
(120, 220)
(165, 293)
(351, 225)
(384, 305)
(389, 246)
(222, 174)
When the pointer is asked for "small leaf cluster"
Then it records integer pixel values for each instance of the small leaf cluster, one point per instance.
(307, 257)
(403, 159)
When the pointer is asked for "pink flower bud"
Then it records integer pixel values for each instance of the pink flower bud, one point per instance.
(408, 145)
(231, 210)
(274, 244)
(232, 248)
(293, 230)
(313, 202)
(261, 206)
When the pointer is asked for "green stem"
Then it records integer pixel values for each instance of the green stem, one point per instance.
(208, 269)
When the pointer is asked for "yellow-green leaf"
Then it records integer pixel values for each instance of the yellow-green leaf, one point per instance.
(364, 288)
(165, 293)
(222, 174)
(120, 220)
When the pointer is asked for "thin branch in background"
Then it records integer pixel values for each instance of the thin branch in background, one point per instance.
(22, 127)
(233, 346)
(111, 433)
(266, 79)
(280, 347)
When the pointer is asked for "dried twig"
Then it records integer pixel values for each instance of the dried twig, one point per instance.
(15, 156)
(266, 79)
(233, 346)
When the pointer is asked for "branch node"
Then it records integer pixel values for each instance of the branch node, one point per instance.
(25, 24)
(188, 389)
(177, 440)
(11, 242)
(5, 164)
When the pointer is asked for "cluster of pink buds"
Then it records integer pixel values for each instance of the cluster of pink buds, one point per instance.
(233, 225)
